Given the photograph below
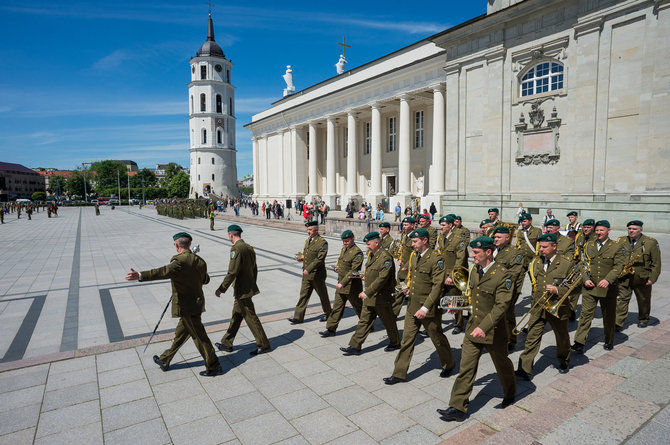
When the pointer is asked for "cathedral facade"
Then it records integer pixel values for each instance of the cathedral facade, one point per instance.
(555, 104)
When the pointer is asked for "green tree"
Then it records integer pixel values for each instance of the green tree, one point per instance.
(179, 185)
(75, 185)
(170, 171)
(106, 174)
(146, 174)
(38, 196)
(57, 185)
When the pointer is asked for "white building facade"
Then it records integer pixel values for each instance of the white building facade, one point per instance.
(212, 122)
(555, 104)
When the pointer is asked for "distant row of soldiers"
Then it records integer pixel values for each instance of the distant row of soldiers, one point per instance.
(28, 207)
(184, 209)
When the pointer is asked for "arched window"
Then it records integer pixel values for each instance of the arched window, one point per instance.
(543, 77)
(203, 72)
(218, 103)
(198, 160)
(230, 106)
(212, 176)
(212, 161)
(203, 103)
(204, 136)
(219, 139)
(191, 104)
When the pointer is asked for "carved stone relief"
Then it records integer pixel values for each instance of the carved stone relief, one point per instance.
(539, 144)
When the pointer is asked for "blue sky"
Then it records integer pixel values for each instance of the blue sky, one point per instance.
(84, 81)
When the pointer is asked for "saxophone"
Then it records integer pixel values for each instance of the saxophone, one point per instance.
(628, 269)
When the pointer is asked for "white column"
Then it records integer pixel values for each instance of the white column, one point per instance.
(437, 174)
(313, 188)
(294, 163)
(254, 145)
(330, 195)
(404, 147)
(264, 166)
(282, 173)
(376, 156)
(352, 157)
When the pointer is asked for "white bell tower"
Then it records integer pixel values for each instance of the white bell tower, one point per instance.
(212, 122)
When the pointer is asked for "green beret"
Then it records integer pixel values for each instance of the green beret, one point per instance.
(501, 229)
(176, 236)
(423, 216)
(550, 237)
(371, 236)
(526, 216)
(589, 222)
(493, 209)
(347, 234)
(311, 223)
(573, 213)
(453, 215)
(604, 223)
(552, 222)
(482, 242)
(408, 219)
(419, 233)
(385, 224)
(448, 219)
(234, 228)
(458, 217)
(485, 221)
(635, 222)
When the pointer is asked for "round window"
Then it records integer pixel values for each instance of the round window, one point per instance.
(218, 68)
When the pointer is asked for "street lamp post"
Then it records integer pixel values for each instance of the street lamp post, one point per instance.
(118, 184)
(128, 188)
(85, 191)
(144, 202)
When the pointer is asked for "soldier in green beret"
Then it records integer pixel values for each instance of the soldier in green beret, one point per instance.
(212, 214)
(408, 225)
(493, 216)
(425, 290)
(643, 256)
(550, 270)
(385, 234)
(454, 251)
(511, 258)
(313, 258)
(485, 225)
(583, 236)
(377, 297)
(460, 229)
(606, 259)
(565, 244)
(188, 273)
(573, 226)
(242, 275)
(526, 238)
(349, 284)
(491, 291)
(424, 221)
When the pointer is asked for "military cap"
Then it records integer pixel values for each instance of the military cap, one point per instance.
(453, 215)
(589, 222)
(458, 217)
(493, 209)
(482, 242)
(385, 224)
(176, 236)
(423, 216)
(635, 222)
(311, 223)
(501, 229)
(526, 216)
(552, 222)
(572, 213)
(485, 221)
(550, 237)
(604, 223)
(234, 228)
(371, 236)
(448, 218)
(347, 234)
(408, 219)
(419, 233)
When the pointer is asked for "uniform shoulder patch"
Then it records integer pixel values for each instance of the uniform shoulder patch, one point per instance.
(440, 264)
(508, 283)
(623, 250)
(232, 254)
(519, 258)
(325, 246)
(387, 264)
(462, 245)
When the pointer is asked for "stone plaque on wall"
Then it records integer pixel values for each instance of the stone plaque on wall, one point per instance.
(537, 145)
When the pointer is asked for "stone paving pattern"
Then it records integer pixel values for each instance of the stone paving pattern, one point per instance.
(304, 391)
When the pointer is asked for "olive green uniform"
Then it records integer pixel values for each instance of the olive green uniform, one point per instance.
(645, 255)
(425, 290)
(314, 262)
(386, 242)
(556, 272)
(464, 233)
(29, 212)
(242, 275)
(512, 259)
(348, 264)
(379, 288)
(432, 236)
(406, 253)
(188, 273)
(565, 246)
(211, 219)
(454, 251)
(491, 295)
(580, 241)
(529, 248)
(606, 264)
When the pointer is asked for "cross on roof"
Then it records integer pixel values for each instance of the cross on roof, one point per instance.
(344, 47)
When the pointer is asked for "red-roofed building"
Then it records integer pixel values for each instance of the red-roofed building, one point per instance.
(17, 181)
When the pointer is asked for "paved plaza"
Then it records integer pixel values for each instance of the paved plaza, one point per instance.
(72, 367)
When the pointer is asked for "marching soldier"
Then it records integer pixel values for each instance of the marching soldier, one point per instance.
(349, 284)
(550, 271)
(511, 258)
(644, 259)
(526, 238)
(493, 216)
(29, 211)
(377, 297)
(565, 245)
(458, 228)
(454, 251)
(583, 236)
(485, 224)
(385, 234)
(212, 214)
(573, 225)
(242, 275)
(313, 260)
(424, 221)
(188, 273)
(97, 209)
(408, 225)
(491, 289)
(427, 269)
(606, 258)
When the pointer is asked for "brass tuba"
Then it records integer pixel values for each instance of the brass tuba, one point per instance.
(460, 276)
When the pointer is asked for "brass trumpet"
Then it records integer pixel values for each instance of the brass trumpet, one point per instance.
(461, 278)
